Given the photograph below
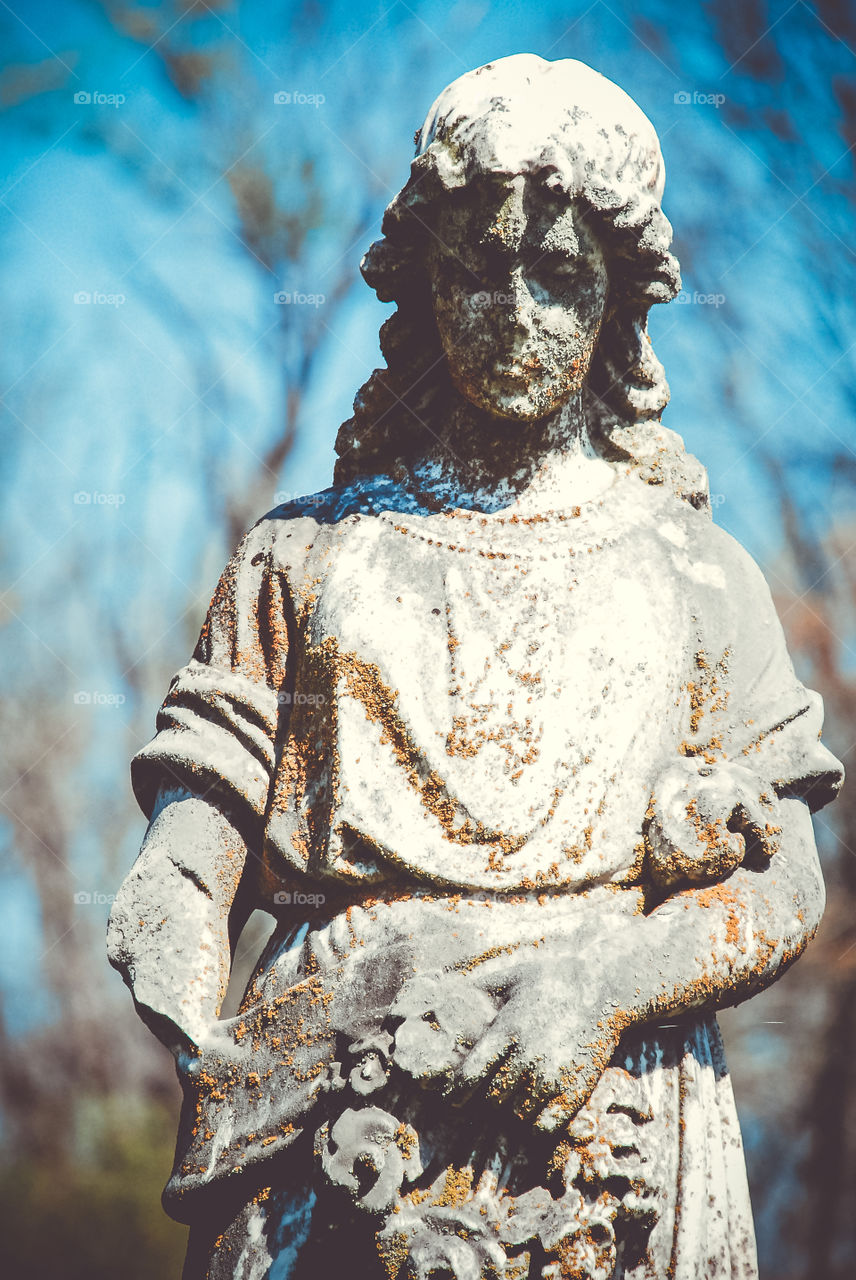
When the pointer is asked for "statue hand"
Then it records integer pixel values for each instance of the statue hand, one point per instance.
(288, 1040)
(550, 1042)
(705, 820)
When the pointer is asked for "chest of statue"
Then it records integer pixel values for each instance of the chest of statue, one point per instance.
(502, 682)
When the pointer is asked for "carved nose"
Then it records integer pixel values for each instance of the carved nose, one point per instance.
(512, 326)
(516, 291)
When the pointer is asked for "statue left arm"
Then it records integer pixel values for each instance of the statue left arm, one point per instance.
(714, 946)
(703, 948)
(203, 781)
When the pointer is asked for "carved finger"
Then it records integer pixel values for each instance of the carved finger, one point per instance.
(489, 1053)
(558, 1112)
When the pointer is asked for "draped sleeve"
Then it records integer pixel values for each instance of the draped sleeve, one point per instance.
(750, 705)
(216, 729)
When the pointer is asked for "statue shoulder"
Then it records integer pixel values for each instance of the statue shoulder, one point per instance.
(743, 576)
(364, 496)
(289, 532)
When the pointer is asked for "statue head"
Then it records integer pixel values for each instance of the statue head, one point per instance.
(519, 287)
(523, 254)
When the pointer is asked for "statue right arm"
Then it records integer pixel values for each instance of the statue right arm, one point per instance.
(203, 781)
(177, 916)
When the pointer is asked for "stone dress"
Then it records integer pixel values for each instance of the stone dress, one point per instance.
(446, 728)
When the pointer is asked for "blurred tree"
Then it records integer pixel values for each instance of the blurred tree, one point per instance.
(803, 1147)
(86, 1146)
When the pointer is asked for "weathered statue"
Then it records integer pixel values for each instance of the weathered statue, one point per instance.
(503, 731)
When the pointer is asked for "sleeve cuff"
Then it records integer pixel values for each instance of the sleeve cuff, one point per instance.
(215, 731)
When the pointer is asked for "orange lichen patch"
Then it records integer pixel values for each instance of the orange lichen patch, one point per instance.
(502, 1082)
(560, 1157)
(418, 1195)
(711, 835)
(696, 705)
(245, 627)
(405, 1139)
(305, 762)
(457, 1187)
(392, 1251)
(229, 869)
(707, 697)
(466, 966)
(633, 874)
(722, 895)
(518, 741)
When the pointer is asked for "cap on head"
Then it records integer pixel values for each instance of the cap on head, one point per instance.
(563, 119)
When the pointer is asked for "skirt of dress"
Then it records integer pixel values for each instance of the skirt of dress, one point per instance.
(360, 1169)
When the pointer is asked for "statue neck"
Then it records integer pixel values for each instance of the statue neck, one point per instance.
(485, 463)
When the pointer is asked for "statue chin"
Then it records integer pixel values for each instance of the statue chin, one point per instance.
(519, 403)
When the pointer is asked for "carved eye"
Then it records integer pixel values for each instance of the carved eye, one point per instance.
(452, 267)
(557, 266)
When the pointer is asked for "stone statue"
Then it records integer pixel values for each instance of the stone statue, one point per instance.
(502, 730)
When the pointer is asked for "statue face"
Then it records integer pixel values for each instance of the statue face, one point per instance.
(519, 284)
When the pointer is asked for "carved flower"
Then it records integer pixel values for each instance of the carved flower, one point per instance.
(588, 1252)
(440, 1017)
(434, 1253)
(371, 1069)
(369, 1154)
(605, 1158)
(576, 1235)
(608, 1138)
(429, 1240)
(705, 819)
